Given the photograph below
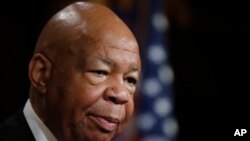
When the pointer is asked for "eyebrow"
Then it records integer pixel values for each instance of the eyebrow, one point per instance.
(133, 69)
(106, 61)
(111, 64)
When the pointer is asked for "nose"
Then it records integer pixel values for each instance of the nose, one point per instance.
(116, 93)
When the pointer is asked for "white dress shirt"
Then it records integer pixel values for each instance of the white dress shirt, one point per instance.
(38, 128)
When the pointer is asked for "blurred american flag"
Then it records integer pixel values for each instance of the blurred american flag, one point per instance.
(154, 119)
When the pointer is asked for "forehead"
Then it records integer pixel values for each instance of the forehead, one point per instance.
(107, 37)
(97, 54)
(122, 51)
(107, 40)
(115, 56)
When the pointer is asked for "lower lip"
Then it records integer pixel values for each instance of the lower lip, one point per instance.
(104, 124)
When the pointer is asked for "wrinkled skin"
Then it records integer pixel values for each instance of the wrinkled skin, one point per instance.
(84, 74)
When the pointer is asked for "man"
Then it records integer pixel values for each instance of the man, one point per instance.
(83, 77)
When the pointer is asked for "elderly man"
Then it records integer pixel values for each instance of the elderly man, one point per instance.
(83, 77)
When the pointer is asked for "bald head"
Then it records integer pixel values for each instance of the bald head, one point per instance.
(84, 74)
(81, 24)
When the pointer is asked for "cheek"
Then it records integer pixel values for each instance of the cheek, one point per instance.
(129, 113)
(74, 97)
(86, 95)
(129, 109)
(80, 99)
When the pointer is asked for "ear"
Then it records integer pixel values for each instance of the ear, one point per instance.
(39, 72)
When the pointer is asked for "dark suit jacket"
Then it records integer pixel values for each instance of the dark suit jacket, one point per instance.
(16, 128)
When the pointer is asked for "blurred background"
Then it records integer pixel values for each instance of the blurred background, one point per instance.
(195, 80)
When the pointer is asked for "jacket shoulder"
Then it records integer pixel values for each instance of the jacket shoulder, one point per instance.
(15, 129)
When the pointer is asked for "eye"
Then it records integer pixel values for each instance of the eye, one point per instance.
(100, 73)
(131, 81)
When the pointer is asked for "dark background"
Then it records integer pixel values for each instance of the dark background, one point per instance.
(211, 61)
(208, 51)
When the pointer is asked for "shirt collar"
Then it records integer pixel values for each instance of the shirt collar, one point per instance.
(40, 131)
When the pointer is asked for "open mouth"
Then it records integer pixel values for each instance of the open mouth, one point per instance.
(106, 123)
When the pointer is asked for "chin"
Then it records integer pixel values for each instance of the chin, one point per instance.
(94, 136)
(101, 138)
(97, 137)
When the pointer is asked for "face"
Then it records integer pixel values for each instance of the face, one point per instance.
(90, 95)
